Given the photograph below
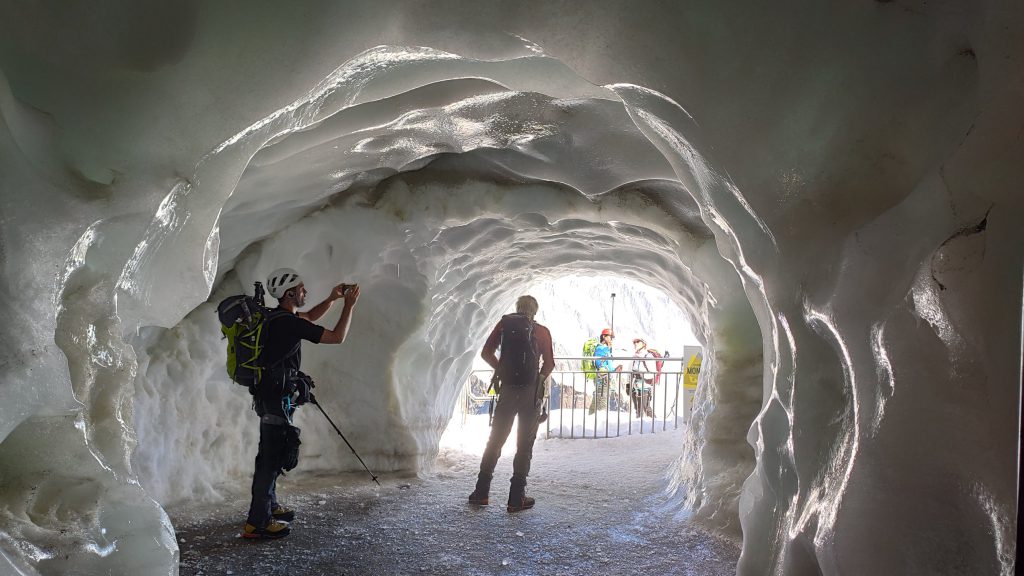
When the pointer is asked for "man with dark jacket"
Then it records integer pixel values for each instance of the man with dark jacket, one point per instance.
(523, 344)
(282, 387)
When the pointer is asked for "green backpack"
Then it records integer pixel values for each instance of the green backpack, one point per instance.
(589, 367)
(243, 321)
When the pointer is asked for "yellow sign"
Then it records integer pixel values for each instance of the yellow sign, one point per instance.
(692, 373)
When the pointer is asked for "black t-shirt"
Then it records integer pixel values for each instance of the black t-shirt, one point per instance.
(284, 332)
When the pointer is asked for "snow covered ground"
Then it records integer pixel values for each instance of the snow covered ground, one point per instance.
(601, 509)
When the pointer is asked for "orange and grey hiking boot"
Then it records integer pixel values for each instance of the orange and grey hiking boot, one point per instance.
(283, 514)
(273, 529)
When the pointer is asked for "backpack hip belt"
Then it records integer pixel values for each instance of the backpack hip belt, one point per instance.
(274, 420)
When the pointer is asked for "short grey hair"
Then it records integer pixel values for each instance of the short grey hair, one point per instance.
(527, 305)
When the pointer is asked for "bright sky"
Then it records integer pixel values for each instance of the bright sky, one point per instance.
(578, 307)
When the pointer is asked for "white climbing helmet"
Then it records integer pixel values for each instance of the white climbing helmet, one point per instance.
(281, 280)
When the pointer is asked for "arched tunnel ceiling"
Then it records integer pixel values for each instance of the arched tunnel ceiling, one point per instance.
(519, 136)
(845, 178)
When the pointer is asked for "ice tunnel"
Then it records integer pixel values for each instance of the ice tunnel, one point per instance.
(831, 193)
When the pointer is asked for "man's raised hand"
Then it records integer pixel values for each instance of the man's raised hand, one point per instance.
(338, 292)
(342, 290)
(350, 293)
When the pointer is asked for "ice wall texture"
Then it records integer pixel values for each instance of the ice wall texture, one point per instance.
(840, 202)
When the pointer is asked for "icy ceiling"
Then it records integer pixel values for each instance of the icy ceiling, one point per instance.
(832, 192)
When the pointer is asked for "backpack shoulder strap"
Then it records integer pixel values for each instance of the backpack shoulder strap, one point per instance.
(271, 315)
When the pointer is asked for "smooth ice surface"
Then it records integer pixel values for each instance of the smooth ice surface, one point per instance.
(830, 193)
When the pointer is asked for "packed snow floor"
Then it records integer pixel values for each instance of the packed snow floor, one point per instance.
(601, 509)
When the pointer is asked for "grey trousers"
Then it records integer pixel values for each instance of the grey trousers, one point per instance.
(513, 401)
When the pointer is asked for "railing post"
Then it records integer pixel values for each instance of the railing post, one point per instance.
(572, 423)
(629, 401)
(676, 403)
(547, 405)
(664, 407)
(687, 404)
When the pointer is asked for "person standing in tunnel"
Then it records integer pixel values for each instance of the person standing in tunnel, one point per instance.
(523, 343)
(283, 387)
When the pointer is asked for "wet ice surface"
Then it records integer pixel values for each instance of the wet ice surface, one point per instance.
(600, 509)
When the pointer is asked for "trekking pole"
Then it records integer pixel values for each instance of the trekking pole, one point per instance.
(317, 404)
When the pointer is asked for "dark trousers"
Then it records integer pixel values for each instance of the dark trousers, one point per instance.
(264, 479)
(642, 402)
(514, 401)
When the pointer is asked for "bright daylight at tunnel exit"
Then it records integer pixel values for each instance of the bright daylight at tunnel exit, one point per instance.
(511, 288)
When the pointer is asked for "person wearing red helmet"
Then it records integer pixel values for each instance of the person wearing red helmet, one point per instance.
(604, 369)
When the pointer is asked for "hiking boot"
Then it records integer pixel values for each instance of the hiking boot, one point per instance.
(480, 495)
(479, 499)
(272, 530)
(283, 514)
(517, 498)
(523, 503)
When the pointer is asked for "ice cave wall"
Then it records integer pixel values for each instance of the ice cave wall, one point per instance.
(857, 164)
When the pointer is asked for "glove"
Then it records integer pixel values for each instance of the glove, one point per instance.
(303, 388)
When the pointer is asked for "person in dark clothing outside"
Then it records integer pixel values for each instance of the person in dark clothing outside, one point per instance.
(282, 387)
(520, 396)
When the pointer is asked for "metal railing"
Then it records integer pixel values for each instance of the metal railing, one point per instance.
(586, 404)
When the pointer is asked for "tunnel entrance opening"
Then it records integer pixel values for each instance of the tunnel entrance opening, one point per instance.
(577, 309)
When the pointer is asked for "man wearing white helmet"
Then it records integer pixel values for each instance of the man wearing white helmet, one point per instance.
(282, 385)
